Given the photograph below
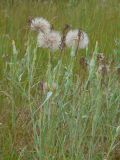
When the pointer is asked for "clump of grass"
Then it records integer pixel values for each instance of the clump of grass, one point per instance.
(65, 119)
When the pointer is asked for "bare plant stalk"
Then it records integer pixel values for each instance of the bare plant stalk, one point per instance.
(65, 30)
(78, 41)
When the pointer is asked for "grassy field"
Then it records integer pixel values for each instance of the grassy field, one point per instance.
(67, 109)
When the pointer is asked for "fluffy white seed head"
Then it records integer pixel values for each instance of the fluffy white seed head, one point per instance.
(72, 37)
(50, 40)
(40, 24)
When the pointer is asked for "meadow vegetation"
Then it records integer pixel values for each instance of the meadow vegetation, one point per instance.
(64, 107)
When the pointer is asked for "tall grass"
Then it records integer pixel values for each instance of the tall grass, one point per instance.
(59, 110)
